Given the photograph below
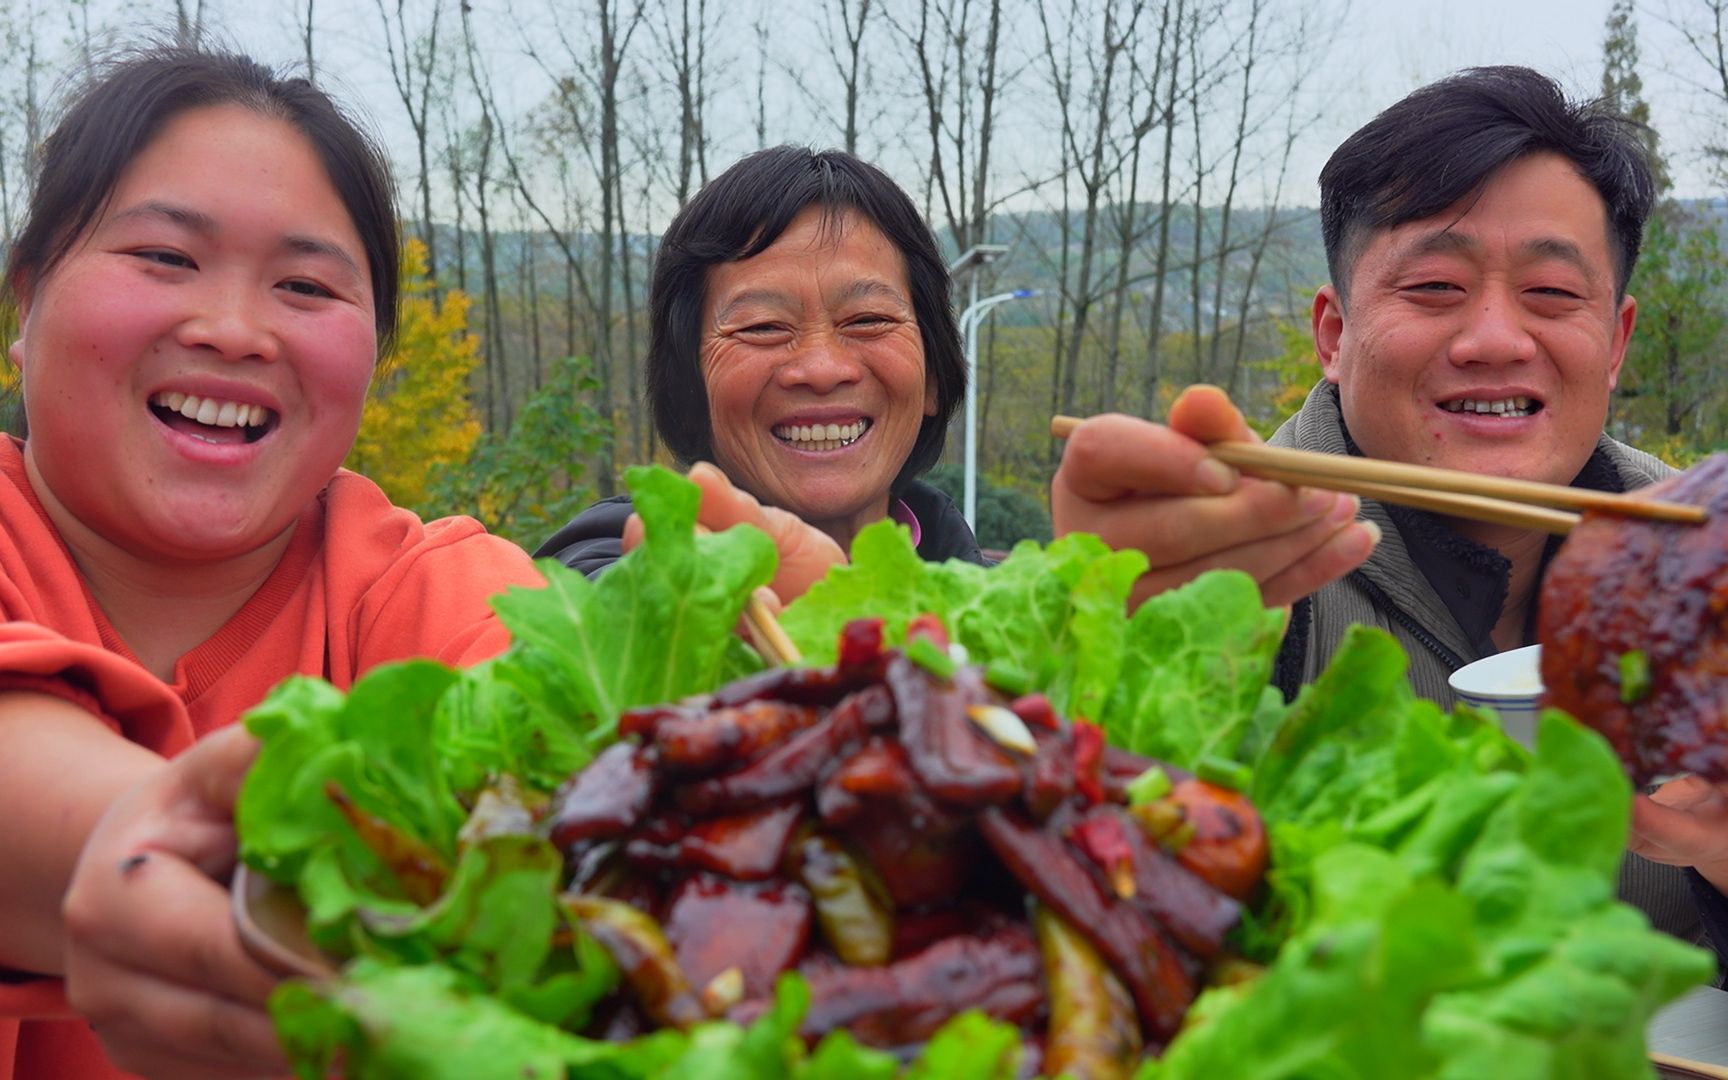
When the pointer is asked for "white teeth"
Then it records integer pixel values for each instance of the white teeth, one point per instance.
(1511, 407)
(210, 411)
(822, 436)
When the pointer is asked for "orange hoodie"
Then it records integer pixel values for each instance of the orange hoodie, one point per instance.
(362, 583)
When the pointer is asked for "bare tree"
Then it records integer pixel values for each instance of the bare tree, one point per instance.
(188, 22)
(413, 57)
(759, 32)
(687, 42)
(961, 87)
(478, 154)
(306, 43)
(1161, 250)
(1703, 26)
(1146, 107)
(20, 110)
(1094, 164)
(599, 70)
(843, 28)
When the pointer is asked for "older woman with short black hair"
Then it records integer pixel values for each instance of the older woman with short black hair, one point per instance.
(834, 314)
(803, 341)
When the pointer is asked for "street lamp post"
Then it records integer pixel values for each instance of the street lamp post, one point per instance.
(969, 320)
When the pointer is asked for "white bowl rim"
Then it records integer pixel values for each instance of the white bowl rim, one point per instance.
(1477, 680)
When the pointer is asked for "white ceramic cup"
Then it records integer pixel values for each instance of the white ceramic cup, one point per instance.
(1511, 684)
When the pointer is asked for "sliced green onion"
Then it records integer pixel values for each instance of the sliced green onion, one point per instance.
(1225, 773)
(1152, 784)
(1009, 678)
(1634, 677)
(931, 657)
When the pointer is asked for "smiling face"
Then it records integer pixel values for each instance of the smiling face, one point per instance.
(814, 368)
(194, 367)
(1486, 338)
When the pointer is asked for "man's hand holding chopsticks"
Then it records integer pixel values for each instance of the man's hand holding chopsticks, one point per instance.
(1154, 487)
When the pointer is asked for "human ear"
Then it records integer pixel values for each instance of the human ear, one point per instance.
(1328, 326)
(15, 351)
(1624, 320)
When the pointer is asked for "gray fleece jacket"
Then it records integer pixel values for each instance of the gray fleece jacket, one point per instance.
(1389, 591)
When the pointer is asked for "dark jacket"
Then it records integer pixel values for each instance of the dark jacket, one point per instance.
(594, 539)
(1713, 911)
(1392, 592)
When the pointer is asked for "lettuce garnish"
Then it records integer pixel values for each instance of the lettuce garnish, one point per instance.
(1442, 901)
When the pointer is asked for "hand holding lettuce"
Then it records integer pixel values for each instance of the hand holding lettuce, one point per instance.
(1442, 901)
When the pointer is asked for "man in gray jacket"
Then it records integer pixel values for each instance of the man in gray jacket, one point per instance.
(1479, 236)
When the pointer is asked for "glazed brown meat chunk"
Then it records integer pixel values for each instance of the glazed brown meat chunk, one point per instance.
(1634, 631)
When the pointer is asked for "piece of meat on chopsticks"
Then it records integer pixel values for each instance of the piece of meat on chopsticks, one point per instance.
(1634, 631)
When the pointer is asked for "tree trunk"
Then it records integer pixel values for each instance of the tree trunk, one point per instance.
(1161, 259)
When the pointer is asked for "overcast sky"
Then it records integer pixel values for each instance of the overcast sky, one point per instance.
(1383, 50)
(1397, 47)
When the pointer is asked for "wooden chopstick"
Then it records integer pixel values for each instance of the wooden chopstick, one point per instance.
(769, 636)
(766, 633)
(1446, 491)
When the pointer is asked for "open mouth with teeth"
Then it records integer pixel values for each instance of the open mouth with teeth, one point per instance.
(212, 419)
(821, 436)
(1509, 408)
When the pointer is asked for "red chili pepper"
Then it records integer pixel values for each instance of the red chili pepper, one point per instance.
(1088, 758)
(928, 625)
(1105, 842)
(860, 644)
(1037, 711)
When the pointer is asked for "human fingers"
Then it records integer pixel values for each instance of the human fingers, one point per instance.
(1287, 566)
(1689, 792)
(1684, 823)
(723, 505)
(161, 1029)
(1204, 413)
(150, 909)
(214, 769)
(806, 553)
(1110, 457)
(1339, 553)
(1174, 531)
(205, 784)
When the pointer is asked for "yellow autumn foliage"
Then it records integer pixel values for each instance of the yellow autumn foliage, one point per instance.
(418, 414)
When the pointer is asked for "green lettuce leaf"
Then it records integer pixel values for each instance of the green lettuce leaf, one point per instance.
(1443, 900)
(656, 626)
(1181, 680)
(374, 743)
(388, 1022)
(1194, 678)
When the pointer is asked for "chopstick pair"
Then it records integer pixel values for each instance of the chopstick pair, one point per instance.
(766, 634)
(1524, 504)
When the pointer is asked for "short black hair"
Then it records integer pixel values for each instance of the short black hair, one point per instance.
(740, 213)
(1442, 143)
(126, 102)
